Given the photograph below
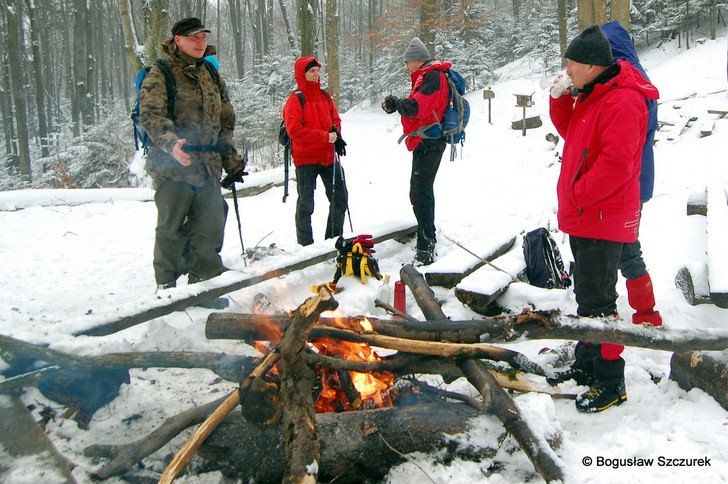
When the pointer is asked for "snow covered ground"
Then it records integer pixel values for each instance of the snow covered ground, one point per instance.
(66, 264)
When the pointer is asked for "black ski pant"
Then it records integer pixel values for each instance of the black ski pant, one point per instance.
(203, 210)
(596, 263)
(333, 178)
(631, 263)
(425, 163)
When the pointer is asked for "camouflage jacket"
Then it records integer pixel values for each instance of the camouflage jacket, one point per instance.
(204, 117)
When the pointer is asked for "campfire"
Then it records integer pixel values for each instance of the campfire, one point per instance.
(341, 390)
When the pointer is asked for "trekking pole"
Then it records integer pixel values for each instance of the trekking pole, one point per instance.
(513, 279)
(286, 169)
(343, 178)
(237, 216)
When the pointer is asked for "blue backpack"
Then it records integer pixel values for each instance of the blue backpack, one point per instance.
(454, 120)
(141, 138)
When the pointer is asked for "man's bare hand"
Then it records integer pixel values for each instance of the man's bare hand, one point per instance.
(180, 155)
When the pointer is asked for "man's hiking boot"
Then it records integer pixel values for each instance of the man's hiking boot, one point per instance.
(580, 376)
(424, 257)
(602, 396)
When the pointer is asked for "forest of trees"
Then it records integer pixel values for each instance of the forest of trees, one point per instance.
(67, 66)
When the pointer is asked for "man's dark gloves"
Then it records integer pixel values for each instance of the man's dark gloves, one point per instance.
(390, 104)
(339, 144)
(232, 178)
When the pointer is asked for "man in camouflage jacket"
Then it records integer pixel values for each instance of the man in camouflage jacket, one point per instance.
(188, 156)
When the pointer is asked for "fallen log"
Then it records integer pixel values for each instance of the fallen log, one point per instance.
(355, 446)
(183, 456)
(495, 400)
(126, 456)
(297, 379)
(527, 325)
(225, 365)
(216, 289)
(706, 370)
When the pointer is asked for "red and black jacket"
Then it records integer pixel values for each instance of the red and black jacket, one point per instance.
(427, 100)
(599, 188)
(309, 126)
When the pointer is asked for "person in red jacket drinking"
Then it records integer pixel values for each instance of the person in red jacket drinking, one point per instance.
(599, 194)
(424, 107)
(314, 127)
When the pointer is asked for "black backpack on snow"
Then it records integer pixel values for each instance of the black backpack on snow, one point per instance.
(544, 267)
(141, 138)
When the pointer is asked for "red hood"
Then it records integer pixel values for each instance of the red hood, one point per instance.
(300, 75)
(631, 78)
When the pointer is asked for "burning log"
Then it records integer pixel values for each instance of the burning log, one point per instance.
(528, 325)
(495, 399)
(355, 446)
(301, 441)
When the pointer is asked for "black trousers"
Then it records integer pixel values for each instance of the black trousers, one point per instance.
(631, 263)
(425, 163)
(595, 275)
(333, 178)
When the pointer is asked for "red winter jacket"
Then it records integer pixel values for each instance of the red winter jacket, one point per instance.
(429, 93)
(309, 127)
(599, 187)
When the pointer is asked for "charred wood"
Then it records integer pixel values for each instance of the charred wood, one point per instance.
(527, 325)
(302, 448)
(355, 446)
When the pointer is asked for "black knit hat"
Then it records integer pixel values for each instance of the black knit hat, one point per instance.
(590, 47)
(311, 65)
(188, 26)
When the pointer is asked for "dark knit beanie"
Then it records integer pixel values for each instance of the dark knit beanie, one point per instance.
(311, 65)
(590, 47)
(416, 51)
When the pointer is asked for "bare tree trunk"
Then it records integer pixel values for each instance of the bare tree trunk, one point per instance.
(156, 23)
(713, 19)
(585, 13)
(429, 13)
(38, 79)
(621, 12)
(16, 81)
(6, 105)
(289, 27)
(563, 32)
(332, 49)
(131, 39)
(236, 18)
(307, 26)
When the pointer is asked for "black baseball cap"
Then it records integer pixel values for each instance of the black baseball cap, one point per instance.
(188, 26)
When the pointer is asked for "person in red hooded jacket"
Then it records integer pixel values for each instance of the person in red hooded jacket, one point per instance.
(599, 195)
(424, 107)
(311, 129)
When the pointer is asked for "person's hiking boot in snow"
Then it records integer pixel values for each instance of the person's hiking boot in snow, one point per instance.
(642, 299)
(582, 370)
(424, 257)
(608, 388)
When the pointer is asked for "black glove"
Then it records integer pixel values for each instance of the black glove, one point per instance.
(339, 144)
(390, 104)
(232, 178)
